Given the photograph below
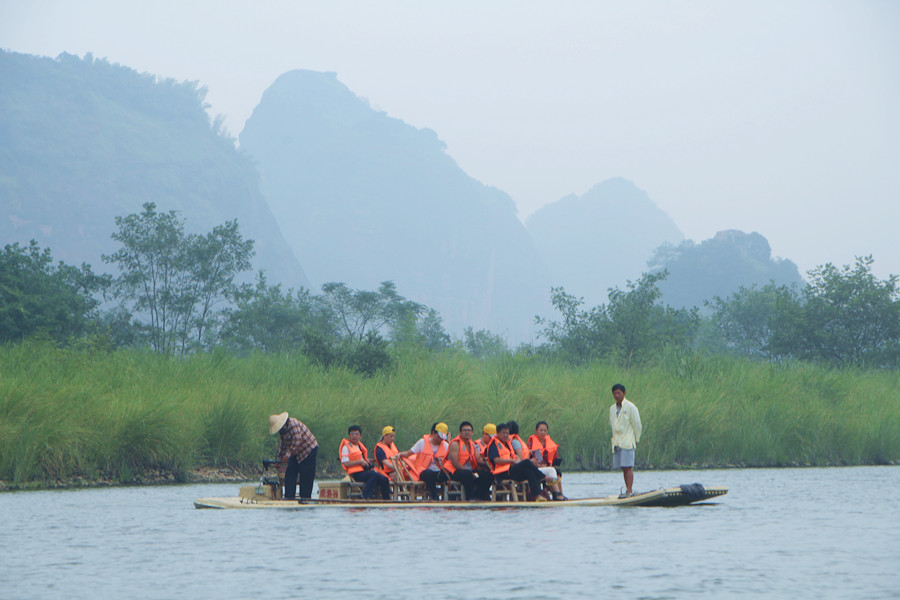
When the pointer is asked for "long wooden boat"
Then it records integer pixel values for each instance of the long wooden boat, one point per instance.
(674, 496)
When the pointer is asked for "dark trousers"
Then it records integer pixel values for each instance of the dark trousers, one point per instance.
(477, 484)
(305, 470)
(371, 480)
(525, 471)
(431, 479)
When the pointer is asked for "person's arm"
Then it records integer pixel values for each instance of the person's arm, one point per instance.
(481, 460)
(636, 423)
(453, 455)
(345, 459)
(417, 447)
(494, 453)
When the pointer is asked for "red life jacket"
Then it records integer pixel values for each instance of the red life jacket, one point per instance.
(549, 449)
(424, 458)
(466, 454)
(389, 451)
(357, 452)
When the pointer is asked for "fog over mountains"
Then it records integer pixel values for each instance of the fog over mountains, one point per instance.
(331, 190)
(602, 238)
(362, 198)
(83, 141)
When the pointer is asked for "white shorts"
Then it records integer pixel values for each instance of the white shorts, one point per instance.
(623, 458)
(550, 474)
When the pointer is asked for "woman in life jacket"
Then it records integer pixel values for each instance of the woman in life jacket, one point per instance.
(384, 450)
(545, 454)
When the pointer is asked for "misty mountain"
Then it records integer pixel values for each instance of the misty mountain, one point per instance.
(719, 267)
(600, 239)
(363, 197)
(83, 141)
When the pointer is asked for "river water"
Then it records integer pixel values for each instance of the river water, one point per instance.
(778, 533)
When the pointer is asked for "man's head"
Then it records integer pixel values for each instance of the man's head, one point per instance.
(465, 430)
(618, 392)
(277, 422)
(503, 431)
(439, 432)
(354, 432)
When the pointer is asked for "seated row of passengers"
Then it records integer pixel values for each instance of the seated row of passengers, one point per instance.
(499, 454)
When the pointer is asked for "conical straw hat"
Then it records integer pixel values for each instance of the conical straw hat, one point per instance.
(276, 422)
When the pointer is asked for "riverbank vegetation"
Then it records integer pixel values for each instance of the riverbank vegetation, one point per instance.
(183, 371)
(81, 413)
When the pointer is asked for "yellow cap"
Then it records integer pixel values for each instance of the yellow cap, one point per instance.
(388, 429)
(442, 430)
(490, 429)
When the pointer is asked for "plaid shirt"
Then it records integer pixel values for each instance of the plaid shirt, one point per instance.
(296, 440)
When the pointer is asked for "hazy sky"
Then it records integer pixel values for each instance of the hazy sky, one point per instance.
(781, 117)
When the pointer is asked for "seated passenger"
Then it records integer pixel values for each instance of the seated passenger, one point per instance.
(462, 464)
(508, 465)
(354, 457)
(481, 446)
(384, 450)
(430, 453)
(545, 454)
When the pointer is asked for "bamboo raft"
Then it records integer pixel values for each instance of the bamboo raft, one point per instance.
(258, 497)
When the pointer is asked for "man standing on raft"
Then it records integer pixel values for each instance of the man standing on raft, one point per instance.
(297, 452)
(625, 422)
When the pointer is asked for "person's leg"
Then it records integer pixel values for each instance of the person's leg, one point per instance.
(385, 484)
(483, 484)
(467, 479)
(368, 479)
(430, 479)
(307, 471)
(290, 479)
(526, 470)
(628, 473)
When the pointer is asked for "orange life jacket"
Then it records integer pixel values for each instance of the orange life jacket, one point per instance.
(526, 453)
(389, 451)
(466, 454)
(482, 447)
(549, 448)
(504, 451)
(357, 452)
(424, 458)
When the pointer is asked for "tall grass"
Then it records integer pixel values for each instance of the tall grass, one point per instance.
(67, 413)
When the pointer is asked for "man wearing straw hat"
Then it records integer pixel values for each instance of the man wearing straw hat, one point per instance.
(298, 451)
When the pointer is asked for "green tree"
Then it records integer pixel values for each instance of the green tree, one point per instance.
(265, 318)
(748, 318)
(846, 316)
(173, 279)
(358, 312)
(483, 343)
(38, 298)
(632, 326)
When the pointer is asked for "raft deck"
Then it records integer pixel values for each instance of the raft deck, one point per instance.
(674, 496)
